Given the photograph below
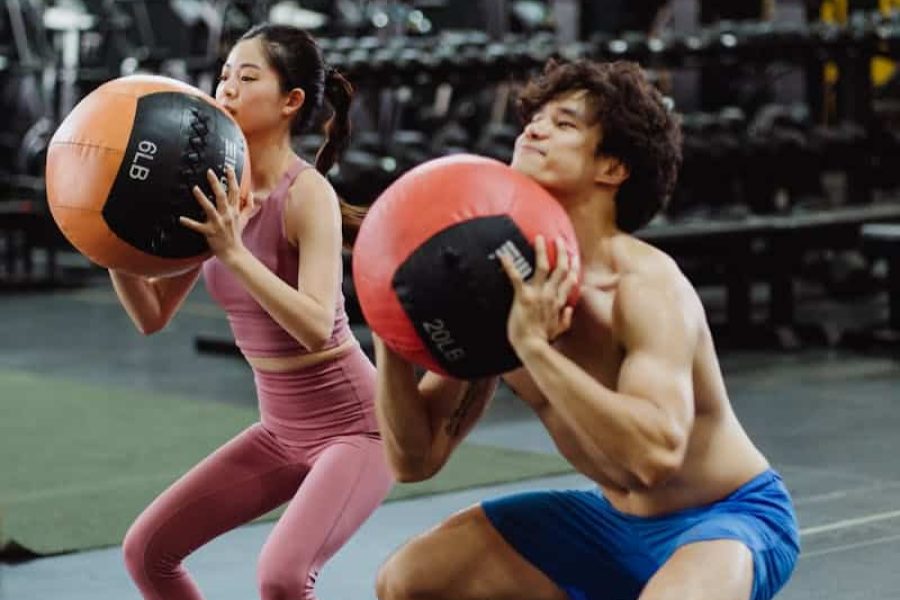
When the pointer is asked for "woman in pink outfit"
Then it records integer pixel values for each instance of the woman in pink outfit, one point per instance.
(276, 271)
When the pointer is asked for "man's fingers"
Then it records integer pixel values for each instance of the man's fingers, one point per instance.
(515, 278)
(541, 261)
(566, 319)
(561, 269)
(562, 255)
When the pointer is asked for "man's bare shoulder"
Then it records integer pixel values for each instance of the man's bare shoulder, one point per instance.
(640, 264)
(652, 282)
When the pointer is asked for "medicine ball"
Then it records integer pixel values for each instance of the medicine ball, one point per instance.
(121, 166)
(425, 262)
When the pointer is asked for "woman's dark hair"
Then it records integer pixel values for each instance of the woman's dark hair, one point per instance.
(636, 127)
(295, 56)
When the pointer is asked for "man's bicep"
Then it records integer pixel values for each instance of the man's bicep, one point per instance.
(659, 338)
(665, 382)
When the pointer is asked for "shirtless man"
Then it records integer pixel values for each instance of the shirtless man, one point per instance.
(628, 386)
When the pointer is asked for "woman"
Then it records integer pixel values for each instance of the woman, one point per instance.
(276, 271)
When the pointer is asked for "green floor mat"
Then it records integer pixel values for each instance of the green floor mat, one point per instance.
(80, 461)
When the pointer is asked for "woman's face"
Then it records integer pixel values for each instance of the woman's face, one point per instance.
(249, 89)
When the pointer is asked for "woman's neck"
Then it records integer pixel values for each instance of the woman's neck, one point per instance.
(270, 156)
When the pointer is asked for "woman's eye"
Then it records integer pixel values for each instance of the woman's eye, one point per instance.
(245, 78)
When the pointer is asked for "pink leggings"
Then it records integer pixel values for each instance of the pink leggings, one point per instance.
(332, 489)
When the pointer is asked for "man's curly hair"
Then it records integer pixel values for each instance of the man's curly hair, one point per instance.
(636, 127)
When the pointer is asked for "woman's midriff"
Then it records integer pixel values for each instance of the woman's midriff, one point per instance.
(292, 363)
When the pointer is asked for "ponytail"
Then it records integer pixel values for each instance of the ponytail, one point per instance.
(295, 56)
(339, 94)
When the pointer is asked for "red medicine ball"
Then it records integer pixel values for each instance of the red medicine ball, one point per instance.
(425, 264)
(121, 166)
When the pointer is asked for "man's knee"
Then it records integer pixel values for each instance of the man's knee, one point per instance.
(402, 577)
(442, 563)
(385, 584)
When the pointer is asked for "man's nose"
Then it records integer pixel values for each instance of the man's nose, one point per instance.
(535, 129)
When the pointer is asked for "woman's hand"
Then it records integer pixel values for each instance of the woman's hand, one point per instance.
(539, 311)
(224, 223)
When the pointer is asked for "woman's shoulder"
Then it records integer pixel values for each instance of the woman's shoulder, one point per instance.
(308, 180)
(310, 199)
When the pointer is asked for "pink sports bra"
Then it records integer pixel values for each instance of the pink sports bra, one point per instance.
(255, 332)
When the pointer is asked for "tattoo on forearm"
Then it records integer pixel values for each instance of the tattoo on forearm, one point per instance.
(454, 424)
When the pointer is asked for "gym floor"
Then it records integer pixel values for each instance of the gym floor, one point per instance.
(824, 417)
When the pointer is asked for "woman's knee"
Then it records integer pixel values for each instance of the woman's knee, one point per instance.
(284, 580)
(285, 588)
(140, 561)
(152, 549)
(133, 552)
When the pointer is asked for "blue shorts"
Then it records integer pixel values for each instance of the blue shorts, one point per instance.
(593, 551)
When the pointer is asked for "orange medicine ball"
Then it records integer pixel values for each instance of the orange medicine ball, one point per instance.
(121, 166)
(425, 264)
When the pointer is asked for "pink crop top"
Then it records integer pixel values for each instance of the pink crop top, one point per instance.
(255, 332)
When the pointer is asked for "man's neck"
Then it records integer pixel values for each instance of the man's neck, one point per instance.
(593, 217)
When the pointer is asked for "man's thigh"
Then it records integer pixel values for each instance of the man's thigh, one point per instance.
(712, 570)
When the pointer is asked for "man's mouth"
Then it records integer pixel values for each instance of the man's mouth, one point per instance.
(530, 148)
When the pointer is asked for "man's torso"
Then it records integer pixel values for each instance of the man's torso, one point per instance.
(719, 457)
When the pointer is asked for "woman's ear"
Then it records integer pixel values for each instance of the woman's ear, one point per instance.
(610, 170)
(294, 101)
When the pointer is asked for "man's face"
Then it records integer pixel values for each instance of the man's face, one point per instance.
(557, 148)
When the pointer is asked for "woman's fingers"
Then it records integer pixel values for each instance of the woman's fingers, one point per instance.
(208, 207)
(234, 188)
(218, 190)
(201, 228)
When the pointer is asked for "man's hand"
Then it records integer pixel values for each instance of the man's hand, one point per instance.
(539, 311)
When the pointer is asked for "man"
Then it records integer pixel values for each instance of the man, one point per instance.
(628, 386)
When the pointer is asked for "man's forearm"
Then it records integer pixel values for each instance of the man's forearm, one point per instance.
(605, 423)
(402, 418)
